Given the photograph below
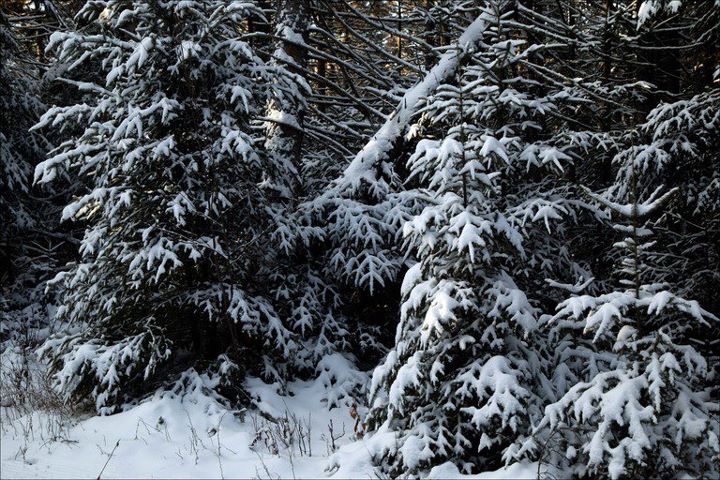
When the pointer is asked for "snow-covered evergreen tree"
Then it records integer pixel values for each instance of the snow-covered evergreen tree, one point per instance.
(312, 302)
(634, 382)
(13, 151)
(467, 374)
(641, 403)
(676, 145)
(22, 266)
(19, 107)
(526, 192)
(353, 225)
(174, 257)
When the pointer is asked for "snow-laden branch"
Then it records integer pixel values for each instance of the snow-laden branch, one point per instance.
(395, 127)
(640, 210)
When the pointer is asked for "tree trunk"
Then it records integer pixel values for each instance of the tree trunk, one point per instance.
(284, 131)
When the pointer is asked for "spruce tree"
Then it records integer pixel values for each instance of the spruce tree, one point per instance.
(634, 367)
(177, 204)
(469, 372)
(642, 403)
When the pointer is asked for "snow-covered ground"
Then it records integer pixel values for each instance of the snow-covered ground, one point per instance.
(183, 444)
(168, 437)
(195, 437)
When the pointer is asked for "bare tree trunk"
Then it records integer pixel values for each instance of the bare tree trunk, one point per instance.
(399, 27)
(430, 36)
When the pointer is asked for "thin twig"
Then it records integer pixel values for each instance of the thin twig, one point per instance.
(109, 457)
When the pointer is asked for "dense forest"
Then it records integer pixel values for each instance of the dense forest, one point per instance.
(491, 228)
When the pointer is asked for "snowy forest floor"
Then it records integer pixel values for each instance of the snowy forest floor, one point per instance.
(195, 437)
